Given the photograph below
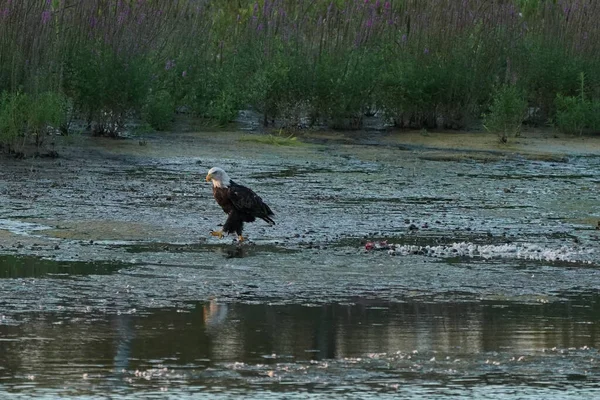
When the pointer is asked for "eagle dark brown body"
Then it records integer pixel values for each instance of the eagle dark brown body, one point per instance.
(240, 203)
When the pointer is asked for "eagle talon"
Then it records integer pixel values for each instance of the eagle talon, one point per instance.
(218, 234)
(241, 238)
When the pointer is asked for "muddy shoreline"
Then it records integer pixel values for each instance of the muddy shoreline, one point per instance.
(399, 263)
(121, 179)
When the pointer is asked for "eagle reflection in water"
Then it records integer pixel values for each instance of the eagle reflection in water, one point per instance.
(215, 314)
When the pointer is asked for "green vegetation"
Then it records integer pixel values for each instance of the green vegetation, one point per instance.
(420, 63)
(29, 118)
(276, 140)
(507, 112)
(574, 114)
(158, 110)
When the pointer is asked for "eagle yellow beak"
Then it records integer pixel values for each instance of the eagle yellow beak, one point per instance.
(208, 177)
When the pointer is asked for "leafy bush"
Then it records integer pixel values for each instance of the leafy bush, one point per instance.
(215, 94)
(13, 117)
(27, 119)
(47, 111)
(545, 69)
(271, 85)
(343, 88)
(106, 85)
(574, 114)
(507, 112)
(407, 93)
(159, 109)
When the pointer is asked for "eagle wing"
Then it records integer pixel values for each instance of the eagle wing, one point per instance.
(248, 202)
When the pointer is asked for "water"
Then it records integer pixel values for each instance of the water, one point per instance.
(367, 346)
(77, 329)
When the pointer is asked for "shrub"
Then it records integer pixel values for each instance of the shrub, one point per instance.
(47, 112)
(343, 87)
(27, 119)
(507, 112)
(13, 117)
(158, 110)
(544, 70)
(271, 86)
(214, 94)
(407, 93)
(574, 114)
(106, 85)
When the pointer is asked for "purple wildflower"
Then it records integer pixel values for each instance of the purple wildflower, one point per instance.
(426, 51)
(169, 64)
(404, 38)
(45, 17)
(259, 27)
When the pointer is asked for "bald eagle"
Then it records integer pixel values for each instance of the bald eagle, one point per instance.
(240, 203)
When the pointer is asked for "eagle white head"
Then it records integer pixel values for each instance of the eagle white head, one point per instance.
(218, 177)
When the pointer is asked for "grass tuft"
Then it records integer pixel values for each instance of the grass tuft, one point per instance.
(280, 139)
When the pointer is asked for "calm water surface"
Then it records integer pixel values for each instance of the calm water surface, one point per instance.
(364, 348)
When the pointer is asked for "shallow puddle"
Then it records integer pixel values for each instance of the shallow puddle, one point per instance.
(35, 267)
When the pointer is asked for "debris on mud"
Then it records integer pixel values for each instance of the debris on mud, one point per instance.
(525, 251)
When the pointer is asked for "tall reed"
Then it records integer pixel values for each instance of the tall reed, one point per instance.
(419, 62)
